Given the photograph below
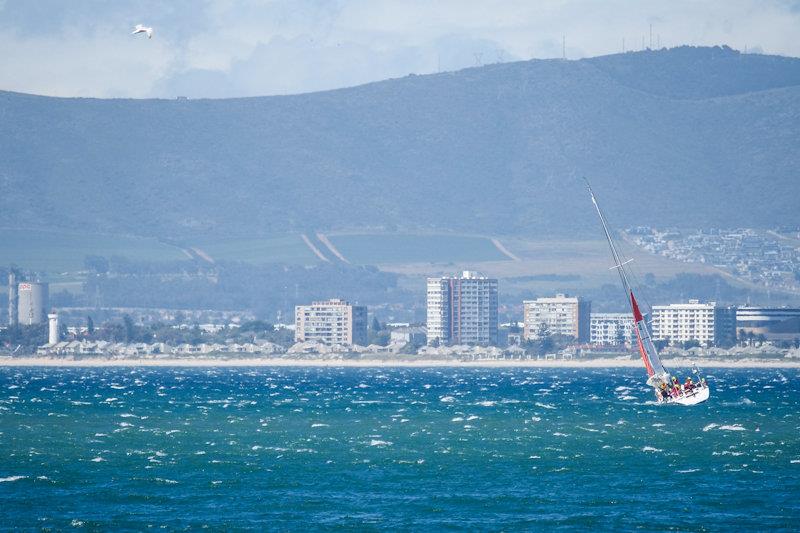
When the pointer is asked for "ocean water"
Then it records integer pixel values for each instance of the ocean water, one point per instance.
(398, 449)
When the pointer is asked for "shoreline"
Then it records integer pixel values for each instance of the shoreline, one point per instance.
(383, 363)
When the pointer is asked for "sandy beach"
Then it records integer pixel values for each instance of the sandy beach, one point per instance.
(385, 363)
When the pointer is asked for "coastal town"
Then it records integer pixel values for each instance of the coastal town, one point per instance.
(462, 324)
(769, 258)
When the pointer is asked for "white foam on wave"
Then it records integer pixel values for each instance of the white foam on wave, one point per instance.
(375, 442)
(487, 403)
(11, 478)
(98, 460)
(709, 427)
(651, 449)
(320, 425)
(447, 399)
(628, 398)
(732, 427)
(473, 417)
(457, 419)
(688, 471)
(544, 405)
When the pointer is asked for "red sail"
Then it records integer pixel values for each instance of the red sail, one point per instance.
(638, 326)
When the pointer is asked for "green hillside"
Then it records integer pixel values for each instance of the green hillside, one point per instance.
(380, 249)
(63, 251)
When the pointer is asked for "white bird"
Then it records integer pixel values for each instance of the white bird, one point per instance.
(143, 29)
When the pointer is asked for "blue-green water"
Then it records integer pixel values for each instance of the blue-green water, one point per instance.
(409, 449)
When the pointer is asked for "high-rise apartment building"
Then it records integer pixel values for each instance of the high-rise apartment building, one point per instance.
(560, 315)
(610, 329)
(332, 322)
(707, 323)
(462, 310)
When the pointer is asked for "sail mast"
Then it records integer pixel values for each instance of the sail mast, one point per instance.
(655, 370)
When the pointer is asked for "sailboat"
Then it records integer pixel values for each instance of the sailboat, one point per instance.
(667, 389)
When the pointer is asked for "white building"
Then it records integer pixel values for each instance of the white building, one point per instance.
(331, 322)
(462, 310)
(414, 335)
(610, 329)
(561, 315)
(707, 323)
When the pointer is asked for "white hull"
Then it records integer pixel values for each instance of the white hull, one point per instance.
(692, 398)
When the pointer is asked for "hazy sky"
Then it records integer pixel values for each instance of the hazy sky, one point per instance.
(220, 48)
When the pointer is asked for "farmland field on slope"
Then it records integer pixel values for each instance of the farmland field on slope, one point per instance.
(58, 251)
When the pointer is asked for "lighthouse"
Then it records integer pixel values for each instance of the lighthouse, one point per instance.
(53, 336)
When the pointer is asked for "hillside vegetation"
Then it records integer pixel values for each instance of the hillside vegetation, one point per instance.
(689, 137)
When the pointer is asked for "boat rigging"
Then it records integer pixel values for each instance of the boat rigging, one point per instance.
(666, 388)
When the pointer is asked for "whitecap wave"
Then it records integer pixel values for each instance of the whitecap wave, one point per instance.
(732, 427)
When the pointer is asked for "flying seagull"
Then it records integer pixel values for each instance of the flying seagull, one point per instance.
(143, 29)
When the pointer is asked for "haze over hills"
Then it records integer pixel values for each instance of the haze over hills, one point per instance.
(689, 137)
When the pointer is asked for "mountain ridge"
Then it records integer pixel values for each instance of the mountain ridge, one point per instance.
(493, 149)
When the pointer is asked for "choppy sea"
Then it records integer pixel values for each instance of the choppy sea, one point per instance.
(399, 449)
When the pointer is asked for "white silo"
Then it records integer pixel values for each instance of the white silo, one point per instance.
(32, 301)
(12, 299)
(53, 336)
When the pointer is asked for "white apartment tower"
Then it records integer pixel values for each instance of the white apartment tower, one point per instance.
(462, 310)
(331, 322)
(707, 323)
(611, 329)
(561, 315)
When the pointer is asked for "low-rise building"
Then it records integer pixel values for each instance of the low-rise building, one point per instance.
(611, 329)
(559, 315)
(408, 335)
(331, 322)
(774, 323)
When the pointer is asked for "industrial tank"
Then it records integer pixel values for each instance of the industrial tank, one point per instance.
(32, 303)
